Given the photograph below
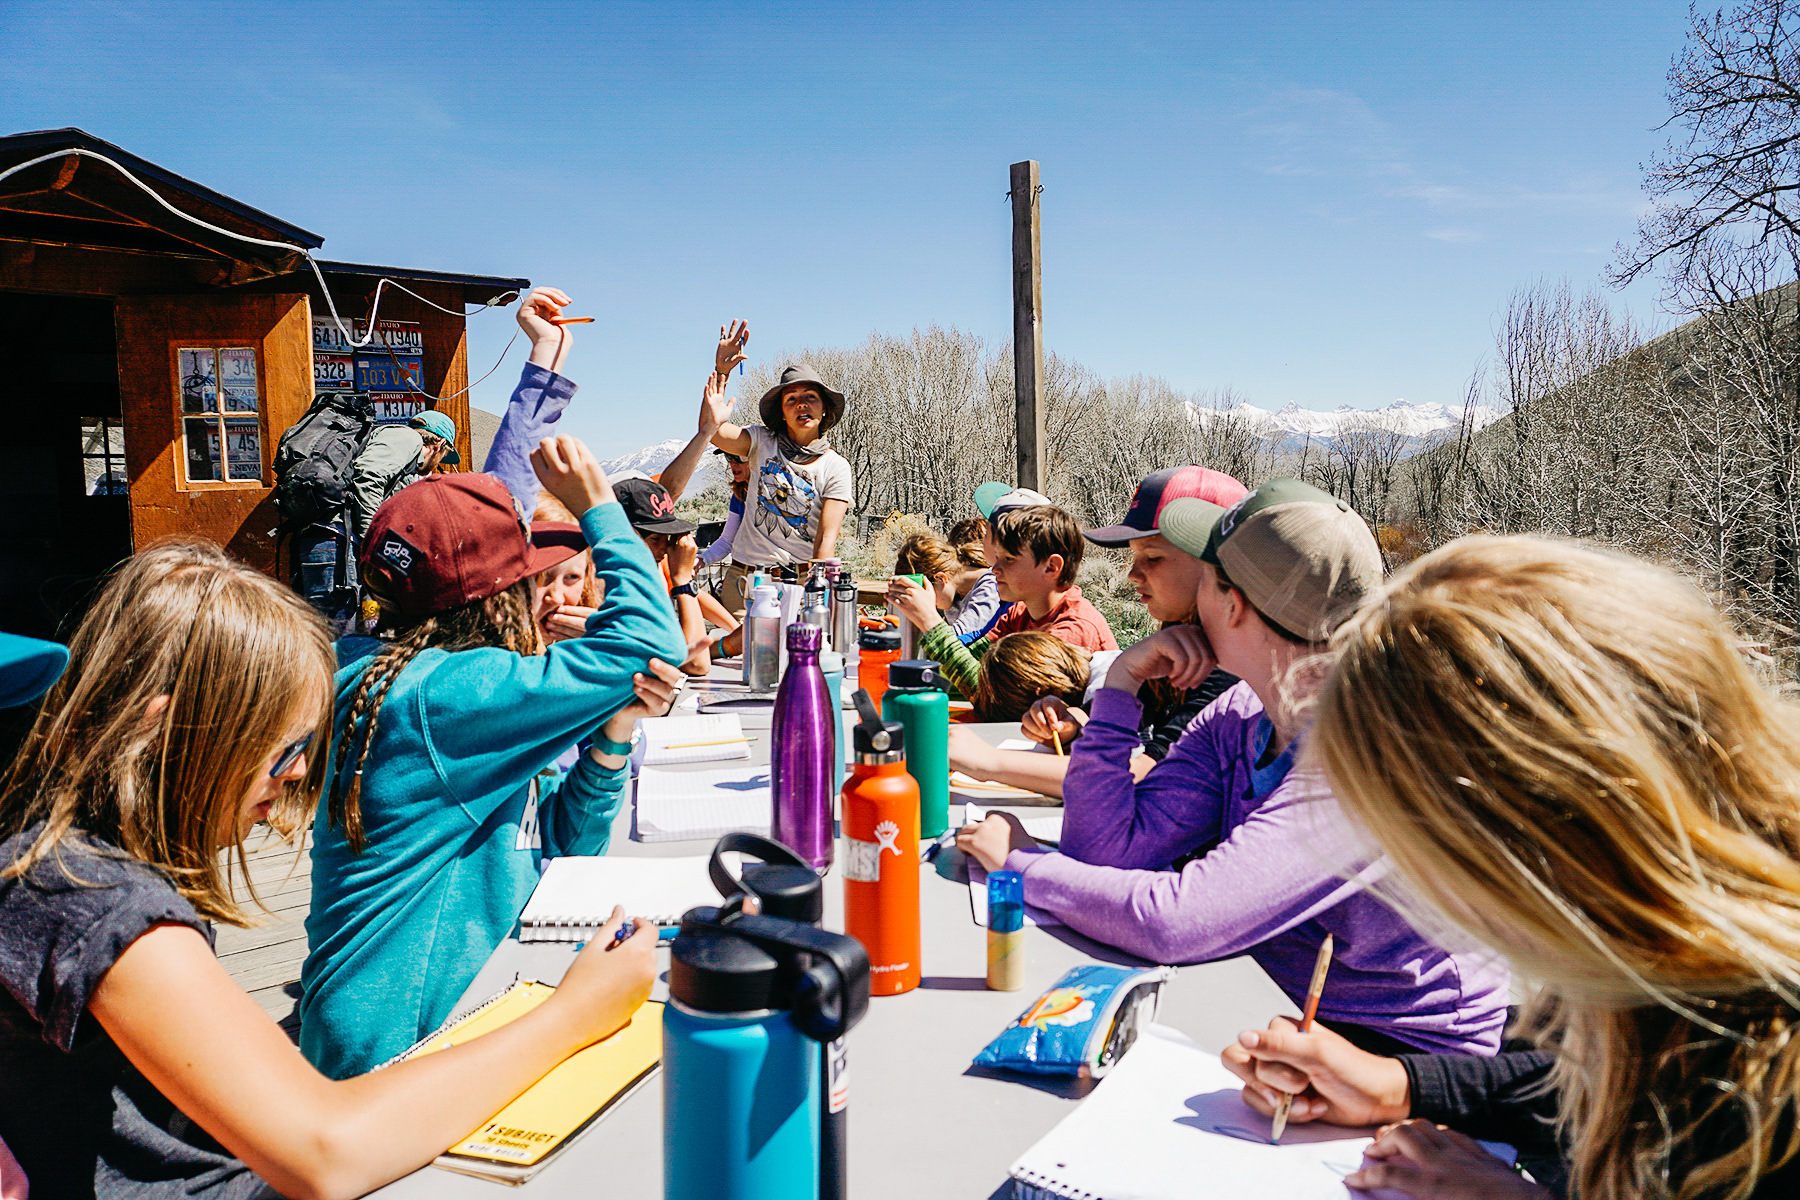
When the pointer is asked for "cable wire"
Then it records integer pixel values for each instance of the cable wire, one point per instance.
(347, 330)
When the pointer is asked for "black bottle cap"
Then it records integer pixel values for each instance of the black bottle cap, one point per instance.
(712, 971)
(887, 738)
(792, 893)
(915, 673)
(879, 639)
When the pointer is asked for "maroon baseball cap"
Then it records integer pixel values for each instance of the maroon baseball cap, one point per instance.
(1160, 487)
(450, 540)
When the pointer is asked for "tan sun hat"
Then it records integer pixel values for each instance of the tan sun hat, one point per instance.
(1303, 557)
(769, 407)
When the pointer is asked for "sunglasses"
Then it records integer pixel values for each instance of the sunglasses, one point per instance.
(733, 458)
(289, 755)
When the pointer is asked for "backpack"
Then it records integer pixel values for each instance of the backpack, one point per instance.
(312, 460)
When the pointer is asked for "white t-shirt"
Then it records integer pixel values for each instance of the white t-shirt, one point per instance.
(781, 512)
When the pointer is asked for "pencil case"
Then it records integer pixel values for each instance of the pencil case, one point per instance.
(1083, 1025)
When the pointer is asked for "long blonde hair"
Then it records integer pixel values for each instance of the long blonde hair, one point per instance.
(240, 658)
(1021, 668)
(1563, 753)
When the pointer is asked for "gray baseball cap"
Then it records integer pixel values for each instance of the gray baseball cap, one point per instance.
(1303, 557)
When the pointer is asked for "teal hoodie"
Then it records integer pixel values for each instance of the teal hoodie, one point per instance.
(462, 758)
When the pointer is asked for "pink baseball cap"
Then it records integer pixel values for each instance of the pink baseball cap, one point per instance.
(1153, 495)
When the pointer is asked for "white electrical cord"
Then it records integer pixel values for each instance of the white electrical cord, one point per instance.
(382, 282)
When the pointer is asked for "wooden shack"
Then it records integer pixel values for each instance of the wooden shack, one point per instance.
(151, 363)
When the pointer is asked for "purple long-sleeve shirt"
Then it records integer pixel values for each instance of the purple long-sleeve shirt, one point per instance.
(1287, 869)
(531, 415)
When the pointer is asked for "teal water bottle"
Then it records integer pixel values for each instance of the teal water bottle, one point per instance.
(916, 698)
(832, 664)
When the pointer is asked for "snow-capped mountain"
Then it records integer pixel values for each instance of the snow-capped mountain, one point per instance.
(1294, 425)
(652, 459)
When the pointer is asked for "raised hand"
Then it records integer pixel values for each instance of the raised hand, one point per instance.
(1330, 1079)
(549, 343)
(732, 340)
(568, 470)
(715, 405)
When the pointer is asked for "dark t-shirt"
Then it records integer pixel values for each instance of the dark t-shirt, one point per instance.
(81, 1120)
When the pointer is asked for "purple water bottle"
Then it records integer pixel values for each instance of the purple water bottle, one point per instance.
(800, 770)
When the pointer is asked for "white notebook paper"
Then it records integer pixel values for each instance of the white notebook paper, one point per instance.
(1181, 1116)
(713, 738)
(575, 895)
(679, 805)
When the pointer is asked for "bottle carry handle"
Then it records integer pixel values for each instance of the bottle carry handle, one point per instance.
(762, 849)
(832, 994)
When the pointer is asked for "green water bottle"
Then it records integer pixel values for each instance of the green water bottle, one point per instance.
(916, 698)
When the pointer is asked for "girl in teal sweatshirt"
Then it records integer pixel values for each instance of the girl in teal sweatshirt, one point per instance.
(442, 799)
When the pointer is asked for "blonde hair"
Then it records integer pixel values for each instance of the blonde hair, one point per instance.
(1022, 668)
(549, 508)
(240, 658)
(1563, 753)
(933, 557)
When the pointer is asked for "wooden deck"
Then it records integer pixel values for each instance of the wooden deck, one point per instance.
(266, 959)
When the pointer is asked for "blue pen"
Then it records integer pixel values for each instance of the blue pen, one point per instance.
(625, 931)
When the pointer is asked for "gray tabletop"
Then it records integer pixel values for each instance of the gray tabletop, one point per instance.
(910, 1081)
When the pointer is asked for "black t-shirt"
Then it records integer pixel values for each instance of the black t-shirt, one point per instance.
(1162, 727)
(81, 1120)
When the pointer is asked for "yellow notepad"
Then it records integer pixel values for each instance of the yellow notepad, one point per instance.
(562, 1103)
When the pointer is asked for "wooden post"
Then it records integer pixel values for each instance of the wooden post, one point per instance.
(1028, 327)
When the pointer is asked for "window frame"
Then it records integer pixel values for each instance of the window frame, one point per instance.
(219, 414)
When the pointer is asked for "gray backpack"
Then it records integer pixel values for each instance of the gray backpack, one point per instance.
(312, 460)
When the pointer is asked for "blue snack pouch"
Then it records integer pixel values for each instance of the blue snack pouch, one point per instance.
(1083, 1025)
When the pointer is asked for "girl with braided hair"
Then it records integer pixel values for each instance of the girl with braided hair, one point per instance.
(443, 796)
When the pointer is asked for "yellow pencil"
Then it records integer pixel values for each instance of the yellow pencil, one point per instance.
(1057, 738)
(1314, 990)
(690, 745)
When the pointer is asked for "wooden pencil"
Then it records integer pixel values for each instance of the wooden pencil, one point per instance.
(1314, 990)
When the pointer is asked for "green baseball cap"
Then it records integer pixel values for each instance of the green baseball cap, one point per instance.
(439, 425)
(1303, 557)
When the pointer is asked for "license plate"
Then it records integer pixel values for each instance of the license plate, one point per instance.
(396, 408)
(333, 372)
(328, 338)
(386, 374)
(402, 337)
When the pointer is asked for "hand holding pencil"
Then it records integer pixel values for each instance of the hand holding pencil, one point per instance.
(1314, 990)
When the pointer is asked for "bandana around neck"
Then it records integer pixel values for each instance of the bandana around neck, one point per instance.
(794, 452)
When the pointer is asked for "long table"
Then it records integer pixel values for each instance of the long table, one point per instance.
(921, 1121)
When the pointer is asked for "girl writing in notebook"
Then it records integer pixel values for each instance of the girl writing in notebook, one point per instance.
(197, 703)
(1565, 757)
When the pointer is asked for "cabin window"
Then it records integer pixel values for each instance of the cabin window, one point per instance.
(103, 456)
(220, 414)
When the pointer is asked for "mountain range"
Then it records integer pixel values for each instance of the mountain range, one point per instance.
(1290, 424)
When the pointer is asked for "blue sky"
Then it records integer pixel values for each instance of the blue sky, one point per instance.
(1324, 203)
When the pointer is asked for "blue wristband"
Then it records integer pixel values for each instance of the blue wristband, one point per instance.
(605, 745)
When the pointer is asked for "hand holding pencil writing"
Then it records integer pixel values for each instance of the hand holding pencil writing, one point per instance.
(1330, 1079)
(1051, 720)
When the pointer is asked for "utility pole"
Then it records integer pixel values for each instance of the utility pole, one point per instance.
(1028, 326)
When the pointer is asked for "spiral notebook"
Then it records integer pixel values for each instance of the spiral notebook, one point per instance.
(675, 806)
(575, 895)
(702, 738)
(1182, 1116)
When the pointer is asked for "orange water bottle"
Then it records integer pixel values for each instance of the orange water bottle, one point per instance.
(879, 648)
(881, 853)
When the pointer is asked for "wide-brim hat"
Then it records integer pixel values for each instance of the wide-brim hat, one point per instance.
(1156, 492)
(769, 407)
(450, 540)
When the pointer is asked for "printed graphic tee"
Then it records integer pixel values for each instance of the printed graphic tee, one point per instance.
(781, 518)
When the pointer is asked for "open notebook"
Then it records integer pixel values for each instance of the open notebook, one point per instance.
(1180, 1112)
(575, 895)
(677, 806)
(705, 738)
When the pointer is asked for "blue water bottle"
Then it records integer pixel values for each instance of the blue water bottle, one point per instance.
(751, 999)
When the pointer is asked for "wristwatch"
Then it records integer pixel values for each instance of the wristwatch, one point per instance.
(684, 589)
(605, 745)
